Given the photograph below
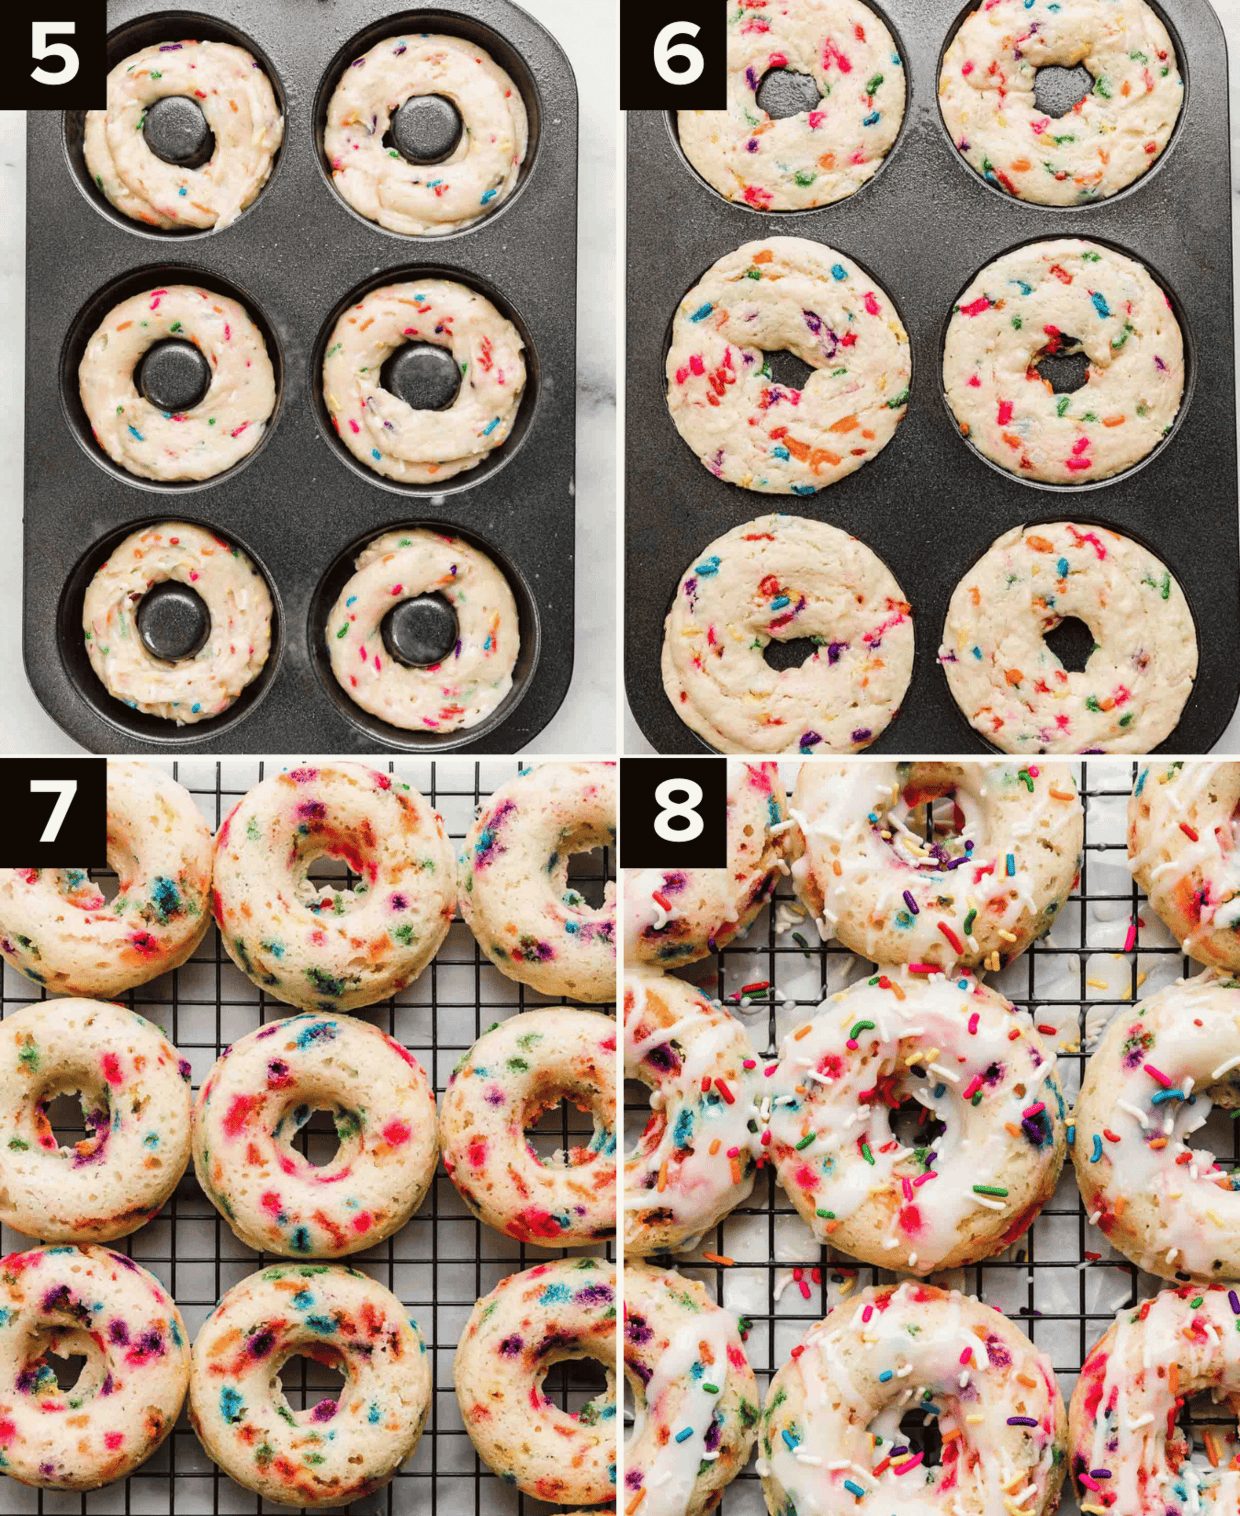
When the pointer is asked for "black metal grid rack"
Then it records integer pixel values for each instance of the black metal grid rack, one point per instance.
(438, 1264)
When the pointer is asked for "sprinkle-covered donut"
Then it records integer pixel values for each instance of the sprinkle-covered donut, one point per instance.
(787, 294)
(466, 686)
(338, 1450)
(779, 579)
(335, 949)
(425, 199)
(260, 1094)
(1100, 145)
(383, 431)
(237, 601)
(239, 106)
(685, 1362)
(1055, 299)
(985, 1155)
(674, 916)
(1005, 846)
(830, 1436)
(530, 1321)
(702, 1146)
(98, 1305)
(508, 1079)
(228, 422)
(819, 155)
(1182, 852)
(58, 928)
(1013, 688)
(515, 894)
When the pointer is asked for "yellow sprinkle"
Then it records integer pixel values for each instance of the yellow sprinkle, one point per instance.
(1097, 984)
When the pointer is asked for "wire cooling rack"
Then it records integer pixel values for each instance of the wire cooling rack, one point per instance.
(438, 1264)
(1062, 1282)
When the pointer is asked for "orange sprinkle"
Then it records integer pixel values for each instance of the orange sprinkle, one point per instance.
(663, 1176)
(635, 1502)
(802, 1031)
(714, 1147)
(719, 1258)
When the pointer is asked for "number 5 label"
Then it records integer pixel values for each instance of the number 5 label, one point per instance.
(62, 61)
(676, 64)
(673, 813)
(58, 814)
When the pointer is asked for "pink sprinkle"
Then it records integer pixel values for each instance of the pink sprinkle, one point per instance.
(1132, 935)
(769, 1070)
(967, 69)
(396, 589)
(1157, 1074)
(871, 304)
(1080, 446)
(976, 307)
(924, 1178)
(697, 366)
(903, 1468)
(973, 1021)
(908, 1188)
(1005, 412)
(972, 1087)
(867, 1313)
(966, 1356)
(1034, 1110)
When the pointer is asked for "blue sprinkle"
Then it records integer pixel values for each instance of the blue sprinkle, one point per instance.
(781, 452)
(1062, 566)
(886, 1375)
(872, 119)
(779, 602)
(490, 195)
(789, 1439)
(708, 567)
(1071, 1135)
(1097, 1152)
(684, 1434)
(487, 430)
(702, 312)
(839, 271)
(136, 433)
(1159, 1096)
(1100, 305)
(350, 600)
(804, 489)
(853, 1488)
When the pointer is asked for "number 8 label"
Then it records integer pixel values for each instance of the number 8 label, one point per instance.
(684, 812)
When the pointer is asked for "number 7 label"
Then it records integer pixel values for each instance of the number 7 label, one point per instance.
(60, 815)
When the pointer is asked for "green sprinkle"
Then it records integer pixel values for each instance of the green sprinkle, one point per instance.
(805, 1141)
(989, 1189)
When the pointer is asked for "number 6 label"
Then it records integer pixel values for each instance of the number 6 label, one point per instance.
(59, 818)
(677, 64)
(673, 813)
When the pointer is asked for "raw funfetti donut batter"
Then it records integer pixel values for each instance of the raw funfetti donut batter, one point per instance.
(786, 293)
(779, 579)
(1108, 139)
(338, 1450)
(237, 601)
(383, 431)
(238, 104)
(98, 1305)
(1054, 299)
(228, 422)
(431, 199)
(1012, 686)
(467, 685)
(260, 1094)
(818, 155)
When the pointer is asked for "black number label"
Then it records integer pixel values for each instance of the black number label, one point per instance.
(59, 815)
(66, 60)
(42, 47)
(673, 813)
(676, 64)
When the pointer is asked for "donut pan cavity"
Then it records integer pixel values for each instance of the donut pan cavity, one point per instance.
(930, 504)
(300, 506)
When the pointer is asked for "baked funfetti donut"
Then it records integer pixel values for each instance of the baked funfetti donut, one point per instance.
(425, 199)
(58, 928)
(686, 1365)
(830, 1437)
(821, 154)
(1054, 299)
(513, 1074)
(383, 431)
(1013, 688)
(225, 426)
(336, 949)
(100, 1306)
(936, 864)
(239, 106)
(781, 579)
(787, 294)
(515, 896)
(464, 687)
(529, 1321)
(986, 1155)
(338, 1450)
(674, 916)
(238, 606)
(1105, 141)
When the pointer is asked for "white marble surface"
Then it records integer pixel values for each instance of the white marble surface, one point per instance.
(587, 720)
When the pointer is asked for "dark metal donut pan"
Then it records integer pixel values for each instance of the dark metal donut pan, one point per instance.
(929, 504)
(300, 505)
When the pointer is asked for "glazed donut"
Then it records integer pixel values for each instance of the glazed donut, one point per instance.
(529, 1321)
(383, 431)
(464, 688)
(978, 898)
(1110, 138)
(338, 1450)
(674, 916)
(425, 200)
(211, 437)
(1182, 852)
(515, 896)
(777, 579)
(511, 1075)
(787, 293)
(239, 106)
(701, 1148)
(237, 601)
(57, 927)
(819, 155)
(1012, 687)
(830, 1436)
(962, 1053)
(343, 948)
(99, 1305)
(260, 1094)
(1054, 299)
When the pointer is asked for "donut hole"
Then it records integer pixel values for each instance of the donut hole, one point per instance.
(1217, 1139)
(424, 129)
(785, 370)
(311, 1383)
(588, 875)
(784, 92)
(1206, 1430)
(582, 1386)
(914, 1125)
(581, 870)
(420, 632)
(318, 1136)
(74, 1121)
(175, 129)
(1063, 364)
(919, 1433)
(791, 654)
(1072, 643)
(560, 1132)
(331, 882)
(1060, 88)
(61, 1364)
(422, 374)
